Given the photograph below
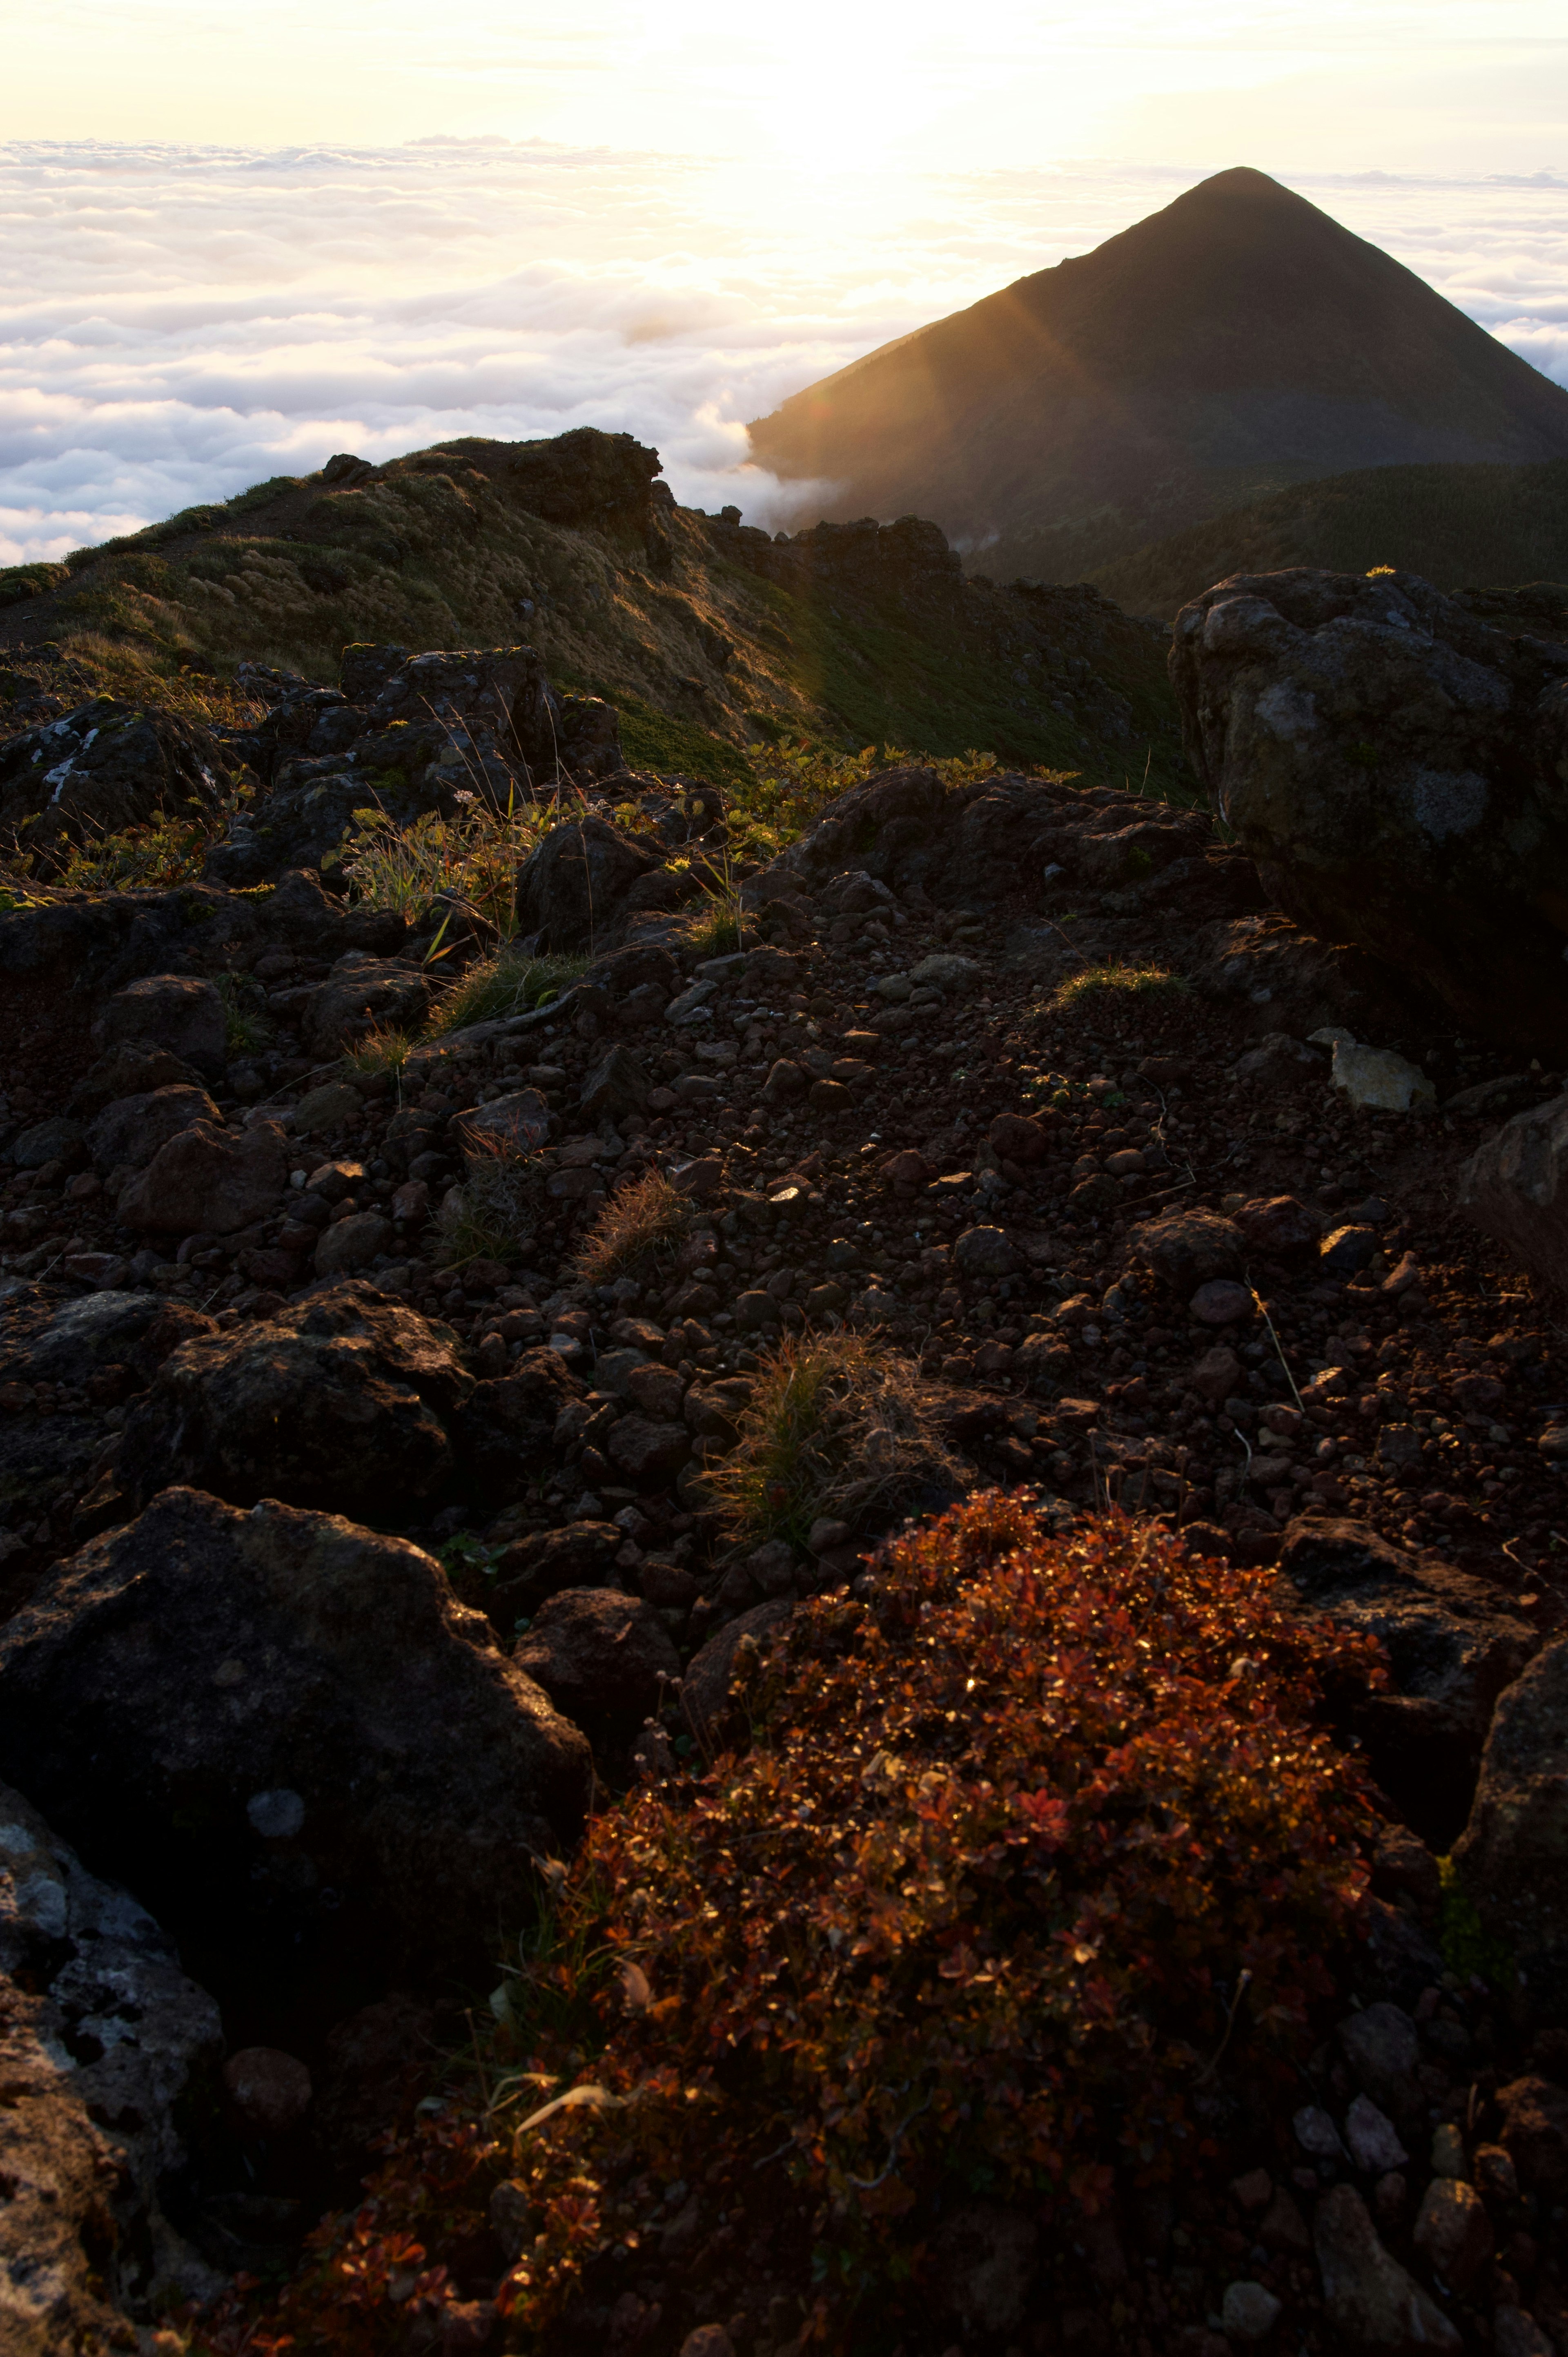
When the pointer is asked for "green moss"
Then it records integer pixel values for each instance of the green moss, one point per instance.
(1470, 1944)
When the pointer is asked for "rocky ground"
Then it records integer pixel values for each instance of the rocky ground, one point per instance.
(1021, 1082)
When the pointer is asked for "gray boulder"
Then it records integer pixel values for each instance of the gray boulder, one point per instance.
(290, 1736)
(107, 2052)
(1392, 764)
(1453, 1647)
(1515, 1188)
(1512, 1856)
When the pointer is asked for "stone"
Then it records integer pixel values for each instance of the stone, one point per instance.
(648, 1451)
(378, 2064)
(130, 1070)
(330, 1107)
(1222, 1302)
(984, 2261)
(1372, 2138)
(365, 993)
(1535, 2134)
(59, 1139)
(503, 1427)
(706, 1687)
(1454, 2234)
(708, 2340)
(1187, 1249)
(109, 2056)
(1451, 1644)
(224, 1413)
(1512, 1858)
(1215, 1374)
(605, 1659)
(128, 1133)
(1515, 2333)
(772, 1568)
(103, 768)
(1374, 2308)
(208, 1181)
(785, 1082)
(1515, 1189)
(616, 1084)
(1279, 1227)
(701, 1180)
(578, 1556)
(946, 970)
(1283, 2228)
(658, 1391)
(1376, 1081)
(352, 1243)
(268, 2091)
(1248, 2311)
(178, 1012)
(1275, 1061)
(1345, 1251)
(829, 1096)
(1317, 2134)
(1382, 2048)
(1391, 763)
(186, 1661)
(754, 1309)
(1448, 2150)
(571, 890)
(984, 1254)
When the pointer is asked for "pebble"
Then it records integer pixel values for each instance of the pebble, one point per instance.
(1248, 2311)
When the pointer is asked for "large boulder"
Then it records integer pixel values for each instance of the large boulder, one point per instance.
(208, 1181)
(604, 1659)
(128, 1133)
(178, 1012)
(571, 890)
(1512, 1856)
(343, 1399)
(107, 2053)
(362, 994)
(1397, 769)
(293, 1741)
(1452, 1646)
(103, 768)
(1515, 1188)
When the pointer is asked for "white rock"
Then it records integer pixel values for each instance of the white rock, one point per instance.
(1380, 1080)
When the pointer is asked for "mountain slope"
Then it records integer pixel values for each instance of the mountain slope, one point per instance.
(1457, 525)
(1231, 344)
(708, 637)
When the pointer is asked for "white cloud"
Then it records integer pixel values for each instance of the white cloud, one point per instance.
(178, 323)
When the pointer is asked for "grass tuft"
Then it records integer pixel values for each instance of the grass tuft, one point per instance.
(640, 1221)
(381, 1053)
(494, 1214)
(1120, 980)
(502, 985)
(837, 1427)
(246, 1031)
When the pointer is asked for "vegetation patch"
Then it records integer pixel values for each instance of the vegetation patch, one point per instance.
(494, 1214)
(641, 1221)
(1120, 980)
(504, 984)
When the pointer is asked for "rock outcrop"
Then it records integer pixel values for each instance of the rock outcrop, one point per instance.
(1515, 1188)
(103, 768)
(292, 1738)
(1512, 1856)
(1396, 768)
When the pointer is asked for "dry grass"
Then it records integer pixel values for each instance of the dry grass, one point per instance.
(640, 1222)
(496, 1208)
(382, 1052)
(1116, 981)
(837, 1427)
(502, 985)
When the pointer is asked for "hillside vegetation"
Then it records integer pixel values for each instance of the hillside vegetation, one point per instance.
(1457, 525)
(710, 639)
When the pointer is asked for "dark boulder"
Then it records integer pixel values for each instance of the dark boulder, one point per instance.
(103, 768)
(1515, 1188)
(504, 1427)
(343, 1399)
(603, 1658)
(570, 890)
(1393, 764)
(1512, 1858)
(290, 1737)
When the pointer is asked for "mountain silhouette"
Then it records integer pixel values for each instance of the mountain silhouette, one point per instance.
(1234, 343)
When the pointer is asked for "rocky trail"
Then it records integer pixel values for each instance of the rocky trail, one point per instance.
(391, 1470)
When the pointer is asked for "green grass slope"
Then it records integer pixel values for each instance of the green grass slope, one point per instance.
(1457, 525)
(710, 638)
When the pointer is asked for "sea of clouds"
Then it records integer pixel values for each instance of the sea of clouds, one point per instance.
(178, 323)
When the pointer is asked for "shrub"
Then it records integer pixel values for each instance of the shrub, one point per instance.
(502, 985)
(475, 855)
(1028, 1852)
(836, 1426)
(641, 1221)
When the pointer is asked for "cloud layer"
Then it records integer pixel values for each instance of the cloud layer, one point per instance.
(178, 323)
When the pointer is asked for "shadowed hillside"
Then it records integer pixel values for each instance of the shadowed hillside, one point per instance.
(1453, 524)
(1234, 343)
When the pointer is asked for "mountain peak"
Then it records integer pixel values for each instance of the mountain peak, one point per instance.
(1235, 341)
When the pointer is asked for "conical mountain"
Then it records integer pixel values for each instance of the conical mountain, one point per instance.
(1237, 341)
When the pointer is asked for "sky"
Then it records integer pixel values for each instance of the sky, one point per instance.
(236, 239)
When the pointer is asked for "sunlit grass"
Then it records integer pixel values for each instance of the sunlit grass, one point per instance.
(1116, 981)
(641, 1221)
(505, 984)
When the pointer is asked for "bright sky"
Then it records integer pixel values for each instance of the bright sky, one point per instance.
(235, 238)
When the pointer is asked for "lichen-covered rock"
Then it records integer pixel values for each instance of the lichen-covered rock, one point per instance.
(1512, 1856)
(292, 1740)
(107, 2052)
(103, 768)
(1395, 766)
(342, 1399)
